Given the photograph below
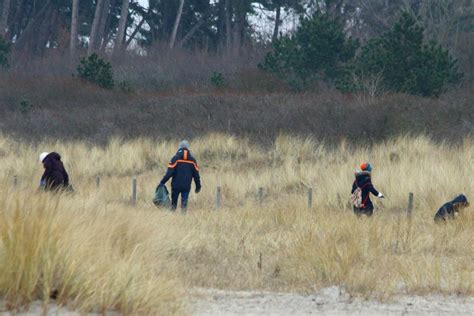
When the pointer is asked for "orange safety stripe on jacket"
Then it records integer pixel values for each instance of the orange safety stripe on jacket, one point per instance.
(185, 155)
(172, 166)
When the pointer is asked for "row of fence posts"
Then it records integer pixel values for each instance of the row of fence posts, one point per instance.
(260, 195)
(310, 199)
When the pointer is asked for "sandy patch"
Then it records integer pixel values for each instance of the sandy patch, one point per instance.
(37, 308)
(329, 301)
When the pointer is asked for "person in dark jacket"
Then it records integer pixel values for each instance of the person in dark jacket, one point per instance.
(364, 182)
(55, 176)
(450, 209)
(183, 168)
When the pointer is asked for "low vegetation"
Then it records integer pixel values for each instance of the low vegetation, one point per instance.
(35, 109)
(4, 52)
(97, 252)
(97, 71)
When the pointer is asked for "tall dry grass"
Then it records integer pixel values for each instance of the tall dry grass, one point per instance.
(101, 253)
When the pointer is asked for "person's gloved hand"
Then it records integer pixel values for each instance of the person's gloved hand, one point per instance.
(380, 196)
(198, 189)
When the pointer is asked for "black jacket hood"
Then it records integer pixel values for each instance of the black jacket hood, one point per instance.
(459, 199)
(362, 177)
(53, 155)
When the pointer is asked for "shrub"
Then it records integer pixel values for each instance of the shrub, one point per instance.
(405, 63)
(25, 106)
(4, 52)
(95, 70)
(318, 50)
(126, 87)
(217, 79)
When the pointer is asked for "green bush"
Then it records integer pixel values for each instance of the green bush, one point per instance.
(4, 52)
(25, 106)
(95, 70)
(217, 79)
(126, 87)
(405, 63)
(319, 49)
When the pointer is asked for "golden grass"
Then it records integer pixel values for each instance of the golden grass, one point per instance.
(101, 253)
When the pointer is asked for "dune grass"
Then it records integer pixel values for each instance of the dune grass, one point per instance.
(97, 252)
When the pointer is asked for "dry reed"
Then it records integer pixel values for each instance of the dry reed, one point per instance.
(100, 253)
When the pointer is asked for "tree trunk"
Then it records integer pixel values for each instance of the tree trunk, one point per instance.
(31, 34)
(192, 31)
(228, 25)
(176, 24)
(95, 27)
(135, 32)
(121, 28)
(4, 18)
(240, 17)
(277, 23)
(104, 26)
(15, 24)
(74, 20)
(221, 24)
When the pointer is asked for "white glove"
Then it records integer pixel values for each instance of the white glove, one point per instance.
(380, 196)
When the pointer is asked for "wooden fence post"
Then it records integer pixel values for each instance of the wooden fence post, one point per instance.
(339, 202)
(410, 204)
(260, 195)
(97, 182)
(134, 190)
(218, 198)
(15, 181)
(310, 198)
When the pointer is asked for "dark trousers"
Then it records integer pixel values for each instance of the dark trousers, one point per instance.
(174, 199)
(368, 211)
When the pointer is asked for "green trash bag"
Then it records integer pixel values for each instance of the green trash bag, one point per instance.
(162, 197)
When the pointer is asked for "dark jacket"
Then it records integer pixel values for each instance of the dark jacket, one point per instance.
(448, 210)
(183, 168)
(364, 182)
(54, 176)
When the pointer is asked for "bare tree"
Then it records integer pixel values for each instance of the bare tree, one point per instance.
(93, 39)
(135, 32)
(192, 31)
(104, 26)
(228, 24)
(121, 27)
(176, 24)
(34, 36)
(74, 18)
(277, 21)
(4, 17)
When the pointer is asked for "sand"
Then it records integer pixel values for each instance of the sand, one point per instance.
(328, 301)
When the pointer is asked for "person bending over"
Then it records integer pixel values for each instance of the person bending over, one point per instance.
(451, 209)
(55, 176)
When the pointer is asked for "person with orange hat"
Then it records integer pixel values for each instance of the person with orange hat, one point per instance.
(361, 189)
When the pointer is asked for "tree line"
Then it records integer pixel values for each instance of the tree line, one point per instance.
(34, 26)
(358, 45)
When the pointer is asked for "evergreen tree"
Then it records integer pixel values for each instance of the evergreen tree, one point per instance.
(406, 63)
(318, 50)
